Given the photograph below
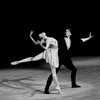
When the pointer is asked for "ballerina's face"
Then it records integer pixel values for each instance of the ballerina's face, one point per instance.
(42, 35)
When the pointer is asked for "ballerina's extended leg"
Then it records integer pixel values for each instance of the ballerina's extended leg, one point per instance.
(38, 57)
(21, 61)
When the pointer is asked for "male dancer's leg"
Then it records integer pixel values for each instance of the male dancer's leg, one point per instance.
(69, 64)
(49, 81)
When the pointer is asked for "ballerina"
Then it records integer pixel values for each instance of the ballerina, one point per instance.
(50, 54)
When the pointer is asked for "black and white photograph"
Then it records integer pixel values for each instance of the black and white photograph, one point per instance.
(49, 54)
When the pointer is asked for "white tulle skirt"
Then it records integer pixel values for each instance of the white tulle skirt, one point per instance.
(51, 56)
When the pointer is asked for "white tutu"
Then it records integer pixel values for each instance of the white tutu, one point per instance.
(51, 56)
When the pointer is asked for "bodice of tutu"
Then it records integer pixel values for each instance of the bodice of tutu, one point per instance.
(52, 43)
(51, 53)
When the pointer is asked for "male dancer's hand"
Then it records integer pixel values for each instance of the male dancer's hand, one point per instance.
(90, 36)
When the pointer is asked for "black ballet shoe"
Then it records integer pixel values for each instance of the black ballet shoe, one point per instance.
(46, 92)
(76, 86)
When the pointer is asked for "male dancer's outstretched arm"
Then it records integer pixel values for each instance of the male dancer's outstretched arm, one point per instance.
(86, 39)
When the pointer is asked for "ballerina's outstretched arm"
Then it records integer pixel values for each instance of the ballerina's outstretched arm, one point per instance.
(86, 39)
(36, 43)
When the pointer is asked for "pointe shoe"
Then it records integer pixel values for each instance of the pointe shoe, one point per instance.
(58, 89)
(14, 63)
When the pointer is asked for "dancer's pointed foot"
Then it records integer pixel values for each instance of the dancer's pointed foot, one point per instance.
(14, 63)
(76, 86)
(58, 89)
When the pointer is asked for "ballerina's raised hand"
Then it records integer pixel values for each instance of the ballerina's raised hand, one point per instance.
(35, 42)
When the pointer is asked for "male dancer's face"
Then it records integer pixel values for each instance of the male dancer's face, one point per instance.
(68, 33)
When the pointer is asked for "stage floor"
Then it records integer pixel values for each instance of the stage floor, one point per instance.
(28, 84)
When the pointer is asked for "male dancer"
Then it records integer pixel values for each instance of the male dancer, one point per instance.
(64, 58)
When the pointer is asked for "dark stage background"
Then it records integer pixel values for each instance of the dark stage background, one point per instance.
(17, 24)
